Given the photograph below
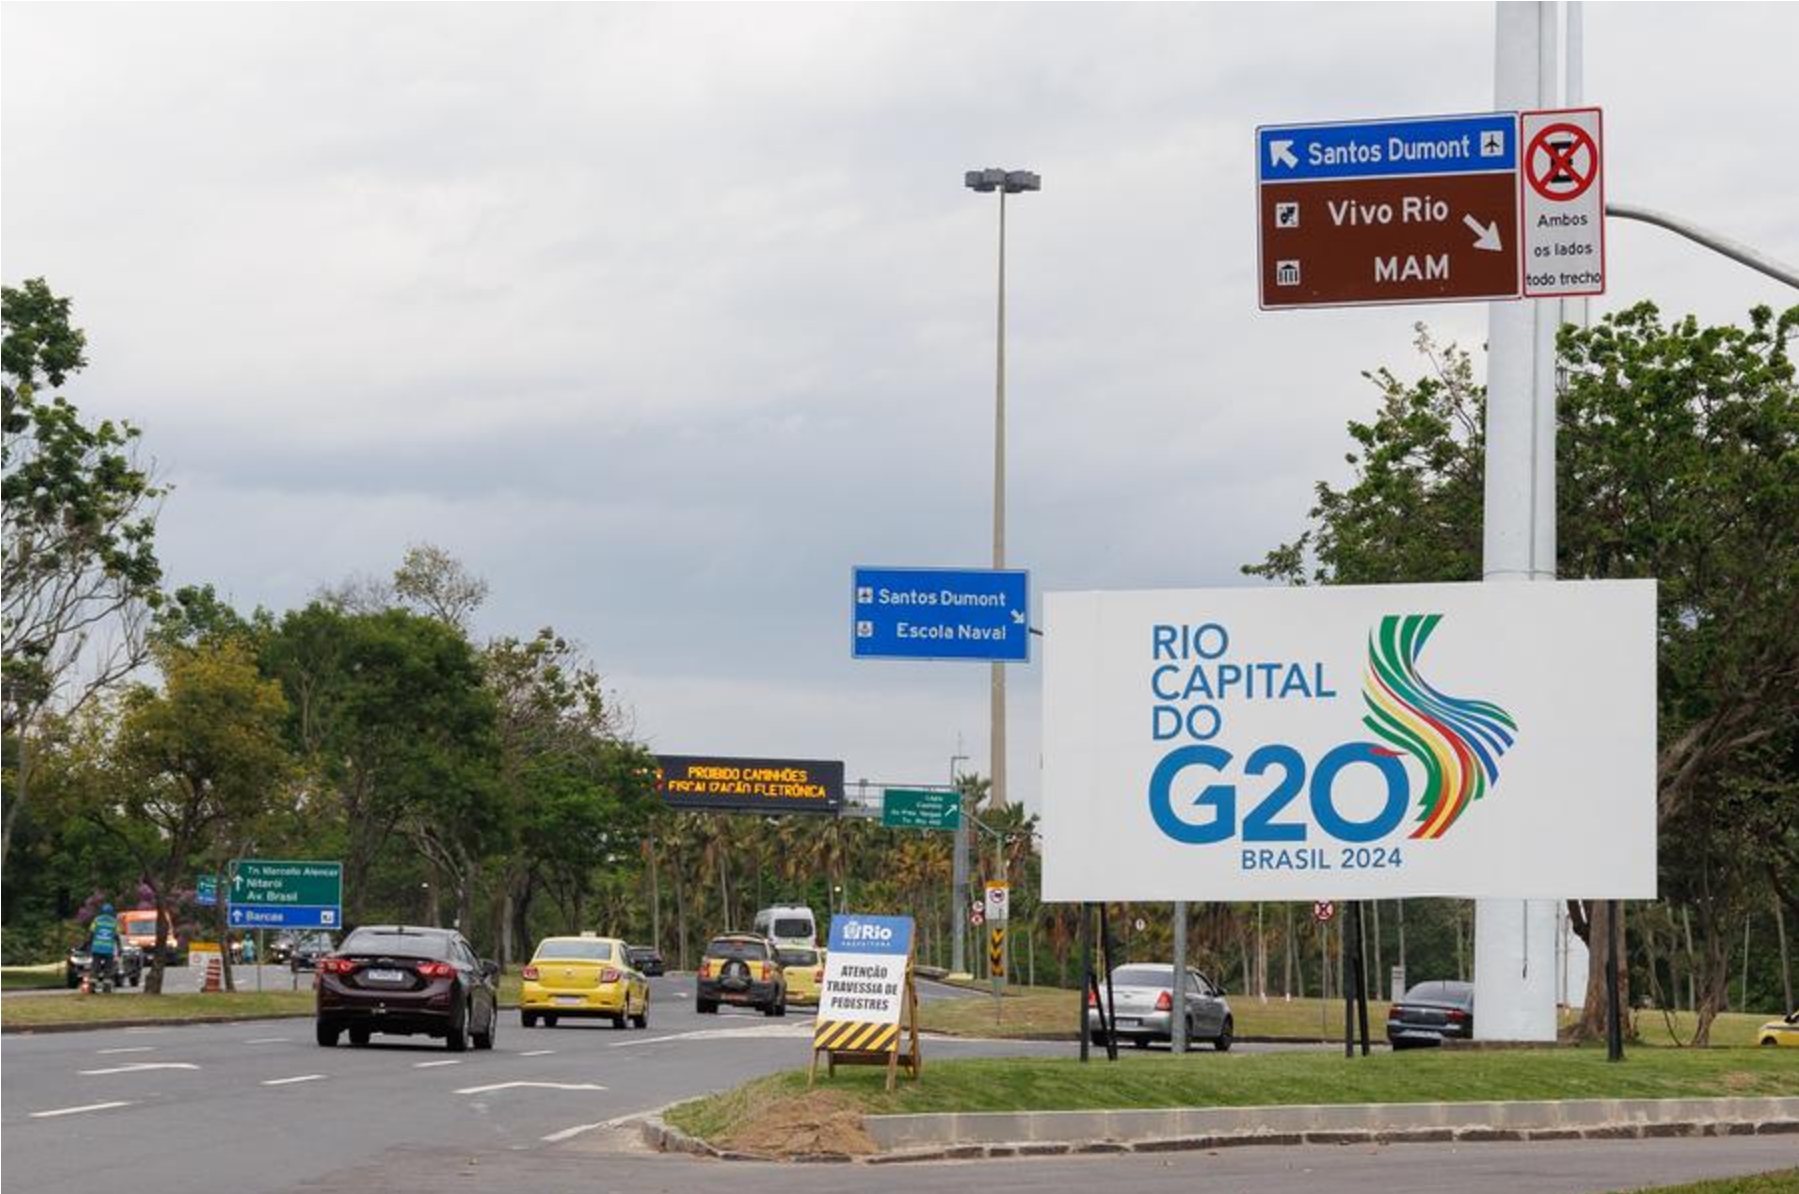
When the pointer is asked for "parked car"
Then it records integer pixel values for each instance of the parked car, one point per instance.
(407, 980)
(804, 968)
(129, 966)
(1431, 1013)
(647, 959)
(741, 968)
(1780, 1032)
(1143, 996)
(583, 976)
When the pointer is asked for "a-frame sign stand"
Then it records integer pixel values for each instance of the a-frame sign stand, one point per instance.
(896, 1046)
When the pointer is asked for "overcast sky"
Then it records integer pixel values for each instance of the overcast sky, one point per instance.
(662, 318)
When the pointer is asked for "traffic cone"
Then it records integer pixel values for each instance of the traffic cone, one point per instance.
(212, 977)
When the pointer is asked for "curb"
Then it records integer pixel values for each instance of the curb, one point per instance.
(1418, 1123)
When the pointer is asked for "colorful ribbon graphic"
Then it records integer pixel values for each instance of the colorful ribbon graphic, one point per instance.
(1457, 741)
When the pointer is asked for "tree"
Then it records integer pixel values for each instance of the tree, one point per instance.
(189, 762)
(1678, 459)
(433, 582)
(80, 522)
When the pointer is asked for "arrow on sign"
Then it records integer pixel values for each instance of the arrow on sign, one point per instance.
(1280, 153)
(1017, 618)
(1487, 235)
(237, 916)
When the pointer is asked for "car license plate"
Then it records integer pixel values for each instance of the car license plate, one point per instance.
(1123, 1020)
(387, 976)
(566, 1000)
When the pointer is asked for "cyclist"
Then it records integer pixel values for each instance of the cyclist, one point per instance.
(103, 949)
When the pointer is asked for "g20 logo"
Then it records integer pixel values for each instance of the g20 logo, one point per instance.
(1457, 743)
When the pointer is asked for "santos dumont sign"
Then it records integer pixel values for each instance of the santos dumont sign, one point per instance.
(1475, 740)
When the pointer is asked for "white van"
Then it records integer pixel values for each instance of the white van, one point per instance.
(787, 924)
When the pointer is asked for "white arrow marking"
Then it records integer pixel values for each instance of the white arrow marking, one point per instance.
(286, 1081)
(76, 1110)
(140, 1066)
(1280, 153)
(538, 1085)
(1488, 234)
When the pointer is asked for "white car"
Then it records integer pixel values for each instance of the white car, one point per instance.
(1143, 995)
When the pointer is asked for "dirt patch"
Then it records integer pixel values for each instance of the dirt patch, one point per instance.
(821, 1121)
(1738, 1080)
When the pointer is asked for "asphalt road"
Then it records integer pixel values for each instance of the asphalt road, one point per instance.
(255, 1107)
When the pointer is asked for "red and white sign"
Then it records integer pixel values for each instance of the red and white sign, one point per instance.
(1561, 187)
(1323, 910)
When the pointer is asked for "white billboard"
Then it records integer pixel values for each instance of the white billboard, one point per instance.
(1476, 740)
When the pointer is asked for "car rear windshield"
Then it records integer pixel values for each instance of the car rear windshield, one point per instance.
(1440, 991)
(588, 951)
(1143, 976)
(793, 928)
(725, 947)
(797, 957)
(399, 945)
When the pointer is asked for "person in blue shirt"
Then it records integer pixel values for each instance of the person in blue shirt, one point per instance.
(103, 946)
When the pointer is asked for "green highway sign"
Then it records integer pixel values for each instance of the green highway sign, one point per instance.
(286, 894)
(913, 808)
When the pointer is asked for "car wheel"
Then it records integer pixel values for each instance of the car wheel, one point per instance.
(327, 1033)
(527, 1019)
(1769, 1042)
(618, 1021)
(1141, 1042)
(456, 1039)
(359, 1037)
(641, 1019)
(1222, 1042)
(706, 1007)
(484, 1040)
(137, 979)
(549, 1021)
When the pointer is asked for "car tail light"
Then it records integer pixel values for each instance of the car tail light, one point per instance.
(818, 974)
(1457, 1014)
(435, 970)
(609, 975)
(705, 969)
(529, 974)
(337, 966)
(1396, 1012)
(1164, 1002)
(765, 972)
(1092, 998)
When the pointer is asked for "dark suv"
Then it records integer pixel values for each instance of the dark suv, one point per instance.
(743, 969)
(407, 980)
(647, 959)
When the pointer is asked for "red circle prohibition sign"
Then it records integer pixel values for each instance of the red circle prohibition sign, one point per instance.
(1323, 910)
(1561, 168)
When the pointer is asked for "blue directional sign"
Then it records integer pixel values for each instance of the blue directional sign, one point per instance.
(285, 894)
(1384, 148)
(315, 916)
(206, 891)
(941, 613)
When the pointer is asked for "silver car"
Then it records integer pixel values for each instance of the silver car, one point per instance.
(1145, 1004)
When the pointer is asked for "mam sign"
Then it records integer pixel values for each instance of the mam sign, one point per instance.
(1318, 743)
(1428, 209)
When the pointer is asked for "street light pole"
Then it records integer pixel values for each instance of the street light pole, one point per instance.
(1005, 182)
(959, 879)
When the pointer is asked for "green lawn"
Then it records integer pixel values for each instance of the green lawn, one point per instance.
(1263, 1079)
(31, 978)
(1784, 1181)
(93, 1009)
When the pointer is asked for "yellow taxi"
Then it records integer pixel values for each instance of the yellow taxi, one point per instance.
(583, 977)
(1780, 1032)
(805, 970)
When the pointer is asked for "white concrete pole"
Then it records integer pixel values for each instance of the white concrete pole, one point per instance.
(1514, 940)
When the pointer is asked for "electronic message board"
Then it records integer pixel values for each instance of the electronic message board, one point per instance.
(750, 785)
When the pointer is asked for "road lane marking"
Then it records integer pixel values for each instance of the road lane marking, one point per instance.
(425, 1065)
(269, 1040)
(138, 1067)
(469, 1090)
(290, 1081)
(76, 1110)
(537, 1053)
(569, 1133)
(132, 1049)
(749, 1031)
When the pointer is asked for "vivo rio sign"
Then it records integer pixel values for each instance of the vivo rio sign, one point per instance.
(1304, 743)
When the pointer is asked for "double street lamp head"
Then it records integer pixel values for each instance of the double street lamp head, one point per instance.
(995, 179)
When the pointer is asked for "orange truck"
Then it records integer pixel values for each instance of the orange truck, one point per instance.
(138, 927)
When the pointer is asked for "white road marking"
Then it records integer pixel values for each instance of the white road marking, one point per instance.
(132, 1049)
(468, 1090)
(537, 1053)
(289, 1081)
(138, 1067)
(425, 1065)
(569, 1133)
(76, 1110)
(747, 1032)
(269, 1040)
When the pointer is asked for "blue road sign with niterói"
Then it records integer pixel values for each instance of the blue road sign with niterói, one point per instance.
(941, 613)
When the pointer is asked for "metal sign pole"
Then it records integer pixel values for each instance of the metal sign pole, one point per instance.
(1178, 1042)
(1089, 991)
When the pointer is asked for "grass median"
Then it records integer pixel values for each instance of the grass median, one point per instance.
(101, 1009)
(1259, 1079)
